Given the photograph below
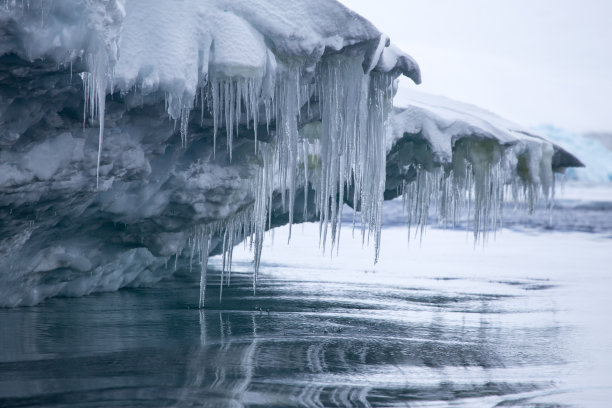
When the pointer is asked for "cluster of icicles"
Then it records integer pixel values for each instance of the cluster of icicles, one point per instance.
(348, 152)
(344, 155)
(479, 197)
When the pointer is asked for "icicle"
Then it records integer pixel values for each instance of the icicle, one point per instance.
(192, 245)
(202, 104)
(204, 243)
(263, 187)
(305, 145)
(287, 136)
(184, 125)
(476, 184)
(354, 109)
(229, 107)
(176, 257)
(229, 97)
(94, 95)
(216, 96)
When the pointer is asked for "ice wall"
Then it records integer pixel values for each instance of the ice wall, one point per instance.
(142, 136)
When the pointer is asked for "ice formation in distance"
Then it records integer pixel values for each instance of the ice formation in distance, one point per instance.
(309, 84)
(596, 156)
(461, 158)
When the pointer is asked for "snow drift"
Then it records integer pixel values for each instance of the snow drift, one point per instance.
(112, 160)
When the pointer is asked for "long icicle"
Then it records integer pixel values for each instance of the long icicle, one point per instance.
(204, 243)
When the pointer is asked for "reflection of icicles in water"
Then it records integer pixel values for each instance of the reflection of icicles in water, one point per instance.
(219, 373)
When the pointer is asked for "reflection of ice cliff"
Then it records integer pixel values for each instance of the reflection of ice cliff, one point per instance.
(112, 158)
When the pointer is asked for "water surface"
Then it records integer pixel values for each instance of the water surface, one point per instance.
(522, 323)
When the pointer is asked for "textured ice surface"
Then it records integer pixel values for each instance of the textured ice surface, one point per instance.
(114, 168)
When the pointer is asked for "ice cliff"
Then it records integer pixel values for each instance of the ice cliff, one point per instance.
(593, 149)
(133, 133)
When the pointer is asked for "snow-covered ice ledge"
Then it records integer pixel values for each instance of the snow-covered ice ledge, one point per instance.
(112, 160)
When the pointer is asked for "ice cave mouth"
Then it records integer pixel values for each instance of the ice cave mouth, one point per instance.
(133, 134)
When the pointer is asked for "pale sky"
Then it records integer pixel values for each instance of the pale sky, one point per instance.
(532, 61)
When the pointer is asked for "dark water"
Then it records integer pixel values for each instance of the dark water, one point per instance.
(525, 325)
(294, 344)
